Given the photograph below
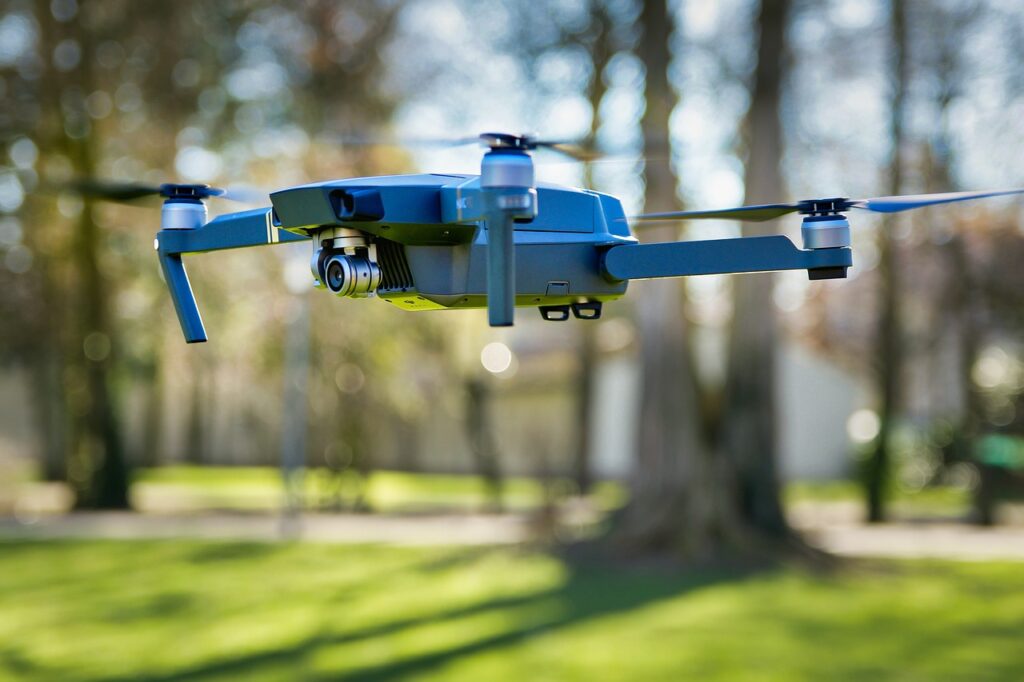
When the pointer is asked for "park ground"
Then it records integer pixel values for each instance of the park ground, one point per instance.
(214, 610)
(207, 585)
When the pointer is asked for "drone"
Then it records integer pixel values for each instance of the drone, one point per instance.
(497, 240)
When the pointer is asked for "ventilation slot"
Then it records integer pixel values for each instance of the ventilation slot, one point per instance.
(395, 274)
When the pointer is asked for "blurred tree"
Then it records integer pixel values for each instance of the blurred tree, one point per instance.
(97, 467)
(888, 360)
(961, 301)
(482, 444)
(705, 483)
(672, 505)
(748, 432)
(601, 45)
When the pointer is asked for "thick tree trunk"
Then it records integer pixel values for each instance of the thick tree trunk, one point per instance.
(707, 493)
(888, 343)
(102, 474)
(601, 50)
(748, 429)
(674, 503)
(97, 470)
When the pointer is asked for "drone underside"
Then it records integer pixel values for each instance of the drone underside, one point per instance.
(413, 241)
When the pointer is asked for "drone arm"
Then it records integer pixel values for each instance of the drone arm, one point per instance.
(234, 231)
(722, 256)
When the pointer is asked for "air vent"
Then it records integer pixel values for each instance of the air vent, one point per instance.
(395, 274)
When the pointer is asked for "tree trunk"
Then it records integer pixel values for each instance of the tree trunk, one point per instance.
(97, 470)
(195, 433)
(748, 429)
(153, 421)
(708, 493)
(480, 433)
(50, 408)
(888, 343)
(601, 52)
(673, 493)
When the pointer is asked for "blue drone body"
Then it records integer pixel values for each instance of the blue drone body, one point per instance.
(495, 240)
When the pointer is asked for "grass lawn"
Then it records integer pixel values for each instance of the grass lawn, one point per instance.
(177, 488)
(190, 610)
(931, 501)
(259, 488)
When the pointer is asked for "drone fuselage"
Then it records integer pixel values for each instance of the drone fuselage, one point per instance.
(426, 234)
(421, 242)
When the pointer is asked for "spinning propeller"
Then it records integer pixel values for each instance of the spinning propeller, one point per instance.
(128, 192)
(576, 150)
(827, 207)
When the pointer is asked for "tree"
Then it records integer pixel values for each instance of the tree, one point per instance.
(705, 484)
(97, 469)
(670, 461)
(601, 47)
(747, 433)
(888, 339)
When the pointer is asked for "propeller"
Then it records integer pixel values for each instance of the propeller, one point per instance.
(528, 142)
(833, 206)
(128, 192)
(578, 151)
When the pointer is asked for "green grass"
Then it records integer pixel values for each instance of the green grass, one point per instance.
(937, 500)
(190, 610)
(260, 488)
(257, 488)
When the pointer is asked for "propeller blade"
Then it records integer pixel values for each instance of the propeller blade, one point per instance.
(129, 192)
(371, 141)
(906, 203)
(573, 150)
(110, 190)
(577, 151)
(749, 213)
(244, 194)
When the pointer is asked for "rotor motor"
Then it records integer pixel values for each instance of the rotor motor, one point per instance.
(825, 232)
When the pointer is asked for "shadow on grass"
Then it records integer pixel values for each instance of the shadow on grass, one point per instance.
(588, 592)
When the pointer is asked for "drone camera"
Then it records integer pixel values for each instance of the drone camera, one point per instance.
(351, 276)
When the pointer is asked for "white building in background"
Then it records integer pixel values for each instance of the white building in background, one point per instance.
(534, 412)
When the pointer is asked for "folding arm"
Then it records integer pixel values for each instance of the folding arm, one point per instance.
(233, 231)
(722, 256)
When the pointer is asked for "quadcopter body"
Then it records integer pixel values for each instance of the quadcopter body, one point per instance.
(496, 240)
(415, 242)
